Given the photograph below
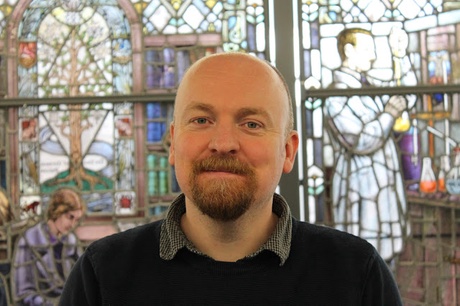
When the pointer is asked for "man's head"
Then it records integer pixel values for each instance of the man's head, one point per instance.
(232, 137)
(356, 48)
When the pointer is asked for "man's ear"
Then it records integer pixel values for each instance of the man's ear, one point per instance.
(171, 147)
(291, 147)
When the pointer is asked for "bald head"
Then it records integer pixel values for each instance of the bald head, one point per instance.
(240, 73)
(232, 137)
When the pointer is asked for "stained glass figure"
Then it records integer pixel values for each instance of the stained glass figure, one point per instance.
(368, 195)
(46, 251)
(415, 44)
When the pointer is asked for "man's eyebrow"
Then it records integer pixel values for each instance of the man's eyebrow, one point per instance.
(249, 111)
(199, 106)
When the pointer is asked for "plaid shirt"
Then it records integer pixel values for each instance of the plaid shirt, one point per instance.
(172, 238)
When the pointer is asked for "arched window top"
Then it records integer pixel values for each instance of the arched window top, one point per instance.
(73, 49)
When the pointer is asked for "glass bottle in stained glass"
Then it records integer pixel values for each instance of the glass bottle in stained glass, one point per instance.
(428, 182)
(453, 176)
(443, 170)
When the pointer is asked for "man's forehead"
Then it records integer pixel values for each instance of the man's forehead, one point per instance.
(228, 67)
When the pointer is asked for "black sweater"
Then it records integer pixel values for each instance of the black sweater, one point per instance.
(325, 267)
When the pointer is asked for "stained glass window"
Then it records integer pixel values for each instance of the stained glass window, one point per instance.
(379, 149)
(97, 81)
(75, 50)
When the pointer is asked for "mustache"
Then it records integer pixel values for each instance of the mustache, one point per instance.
(222, 163)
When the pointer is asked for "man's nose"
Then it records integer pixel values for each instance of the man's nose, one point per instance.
(224, 139)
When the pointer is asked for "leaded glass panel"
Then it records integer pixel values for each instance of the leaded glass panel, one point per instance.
(166, 66)
(241, 24)
(113, 151)
(375, 171)
(76, 50)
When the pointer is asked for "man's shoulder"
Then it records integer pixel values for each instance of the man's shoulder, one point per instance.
(114, 258)
(140, 237)
(326, 250)
(327, 238)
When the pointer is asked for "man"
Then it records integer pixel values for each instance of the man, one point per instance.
(368, 194)
(228, 239)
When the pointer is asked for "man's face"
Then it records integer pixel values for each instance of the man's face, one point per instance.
(228, 140)
(361, 56)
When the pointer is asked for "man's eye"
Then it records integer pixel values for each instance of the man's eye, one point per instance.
(252, 125)
(201, 120)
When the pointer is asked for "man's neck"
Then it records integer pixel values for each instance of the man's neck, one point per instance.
(232, 240)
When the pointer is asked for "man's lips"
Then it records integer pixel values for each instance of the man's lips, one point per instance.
(220, 173)
(221, 170)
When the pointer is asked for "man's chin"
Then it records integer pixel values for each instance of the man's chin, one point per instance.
(222, 209)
